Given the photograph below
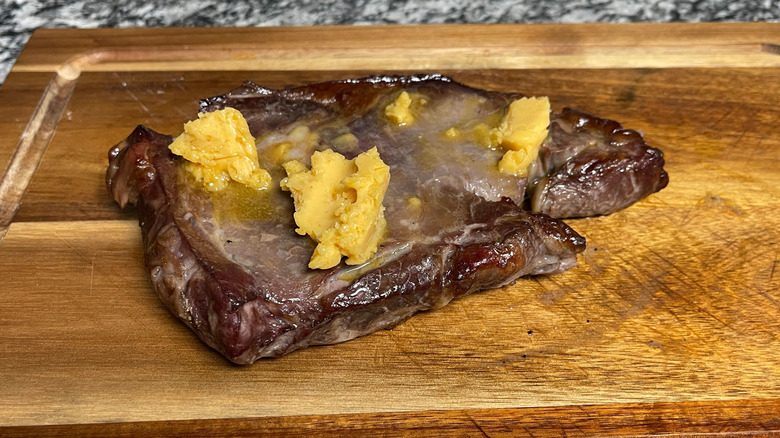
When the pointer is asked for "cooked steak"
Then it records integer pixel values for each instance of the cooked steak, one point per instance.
(230, 265)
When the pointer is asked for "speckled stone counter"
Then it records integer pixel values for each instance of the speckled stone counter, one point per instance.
(19, 18)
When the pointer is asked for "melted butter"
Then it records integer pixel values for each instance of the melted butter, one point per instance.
(346, 143)
(276, 147)
(452, 133)
(406, 108)
(477, 130)
(351, 274)
(278, 152)
(518, 132)
(241, 203)
(468, 129)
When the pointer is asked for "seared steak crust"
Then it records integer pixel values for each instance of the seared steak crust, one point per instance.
(613, 169)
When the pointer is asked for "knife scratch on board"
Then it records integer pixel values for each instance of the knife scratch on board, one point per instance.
(133, 96)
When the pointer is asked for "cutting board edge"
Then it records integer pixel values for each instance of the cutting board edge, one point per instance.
(722, 417)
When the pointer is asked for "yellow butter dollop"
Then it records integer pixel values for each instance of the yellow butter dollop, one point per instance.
(338, 203)
(521, 133)
(404, 109)
(219, 148)
(398, 111)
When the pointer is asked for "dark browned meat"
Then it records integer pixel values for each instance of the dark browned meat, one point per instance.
(231, 267)
(590, 166)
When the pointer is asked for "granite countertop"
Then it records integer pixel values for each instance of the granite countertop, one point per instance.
(19, 18)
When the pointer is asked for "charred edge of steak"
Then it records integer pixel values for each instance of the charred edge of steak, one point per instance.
(232, 311)
(321, 91)
(194, 281)
(612, 171)
(349, 97)
(128, 166)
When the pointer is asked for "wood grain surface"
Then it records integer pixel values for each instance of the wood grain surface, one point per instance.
(669, 324)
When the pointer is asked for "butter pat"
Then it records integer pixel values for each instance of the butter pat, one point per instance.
(346, 142)
(521, 133)
(486, 136)
(219, 148)
(402, 111)
(338, 203)
(515, 163)
(452, 133)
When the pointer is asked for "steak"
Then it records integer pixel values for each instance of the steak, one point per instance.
(232, 268)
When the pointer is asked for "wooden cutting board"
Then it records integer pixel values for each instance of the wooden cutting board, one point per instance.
(669, 324)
